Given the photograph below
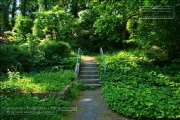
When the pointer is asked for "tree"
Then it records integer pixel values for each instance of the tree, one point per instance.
(22, 28)
(14, 7)
(23, 7)
(161, 32)
(113, 19)
(54, 24)
(5, 5)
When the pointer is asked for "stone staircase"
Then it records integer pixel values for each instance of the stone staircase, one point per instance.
(89, 73)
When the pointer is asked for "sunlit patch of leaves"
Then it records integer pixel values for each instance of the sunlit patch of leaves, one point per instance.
(136, 88)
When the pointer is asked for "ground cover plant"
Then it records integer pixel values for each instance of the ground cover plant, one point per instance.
(43, 81)
(28, 107)
(41, 35)
(136, 88)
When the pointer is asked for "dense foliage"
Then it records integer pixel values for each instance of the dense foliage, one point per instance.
(95, 23)
(54, 25)
(42, 82)
(24, 58)
(14, 57)
(55, 49)
(40, 36)
(29, 107)
(136, 88)
(24, 105)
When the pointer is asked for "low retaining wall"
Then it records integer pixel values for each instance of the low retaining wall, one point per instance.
(63, 94)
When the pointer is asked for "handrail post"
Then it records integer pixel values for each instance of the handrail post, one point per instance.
(104, 64)
(78, 63)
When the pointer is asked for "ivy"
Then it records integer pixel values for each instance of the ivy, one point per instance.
(136, 88)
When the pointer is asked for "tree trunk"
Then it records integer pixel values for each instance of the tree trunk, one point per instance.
(75, 8)
(13, 12)
(5, 16)
(123, 33)
(45, 4)
(23, 7)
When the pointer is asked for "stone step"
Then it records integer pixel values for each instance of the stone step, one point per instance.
(90, 81)
(89, 76)
(89, 73)
(90, 60)
(89, 64)
(96, 86)
(88, 68)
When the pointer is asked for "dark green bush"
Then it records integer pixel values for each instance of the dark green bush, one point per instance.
(20, 58)
(53, 49)
(13, 57)
(6, 58)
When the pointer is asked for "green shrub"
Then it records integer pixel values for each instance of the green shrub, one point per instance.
(54, 64)
(53, 49)
(75, 89)
(22, 58)
(22, 28)
(14, 58)
(7, 58)
(44, 81)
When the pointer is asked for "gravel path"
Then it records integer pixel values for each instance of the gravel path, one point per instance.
(91, 106)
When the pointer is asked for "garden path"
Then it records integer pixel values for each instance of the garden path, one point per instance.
(91, 106)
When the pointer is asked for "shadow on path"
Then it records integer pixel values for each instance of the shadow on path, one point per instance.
(91, 106)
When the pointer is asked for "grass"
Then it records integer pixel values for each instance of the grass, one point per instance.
(37, 82)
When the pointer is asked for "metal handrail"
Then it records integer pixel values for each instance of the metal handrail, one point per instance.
(77, 66)
(104, 64)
